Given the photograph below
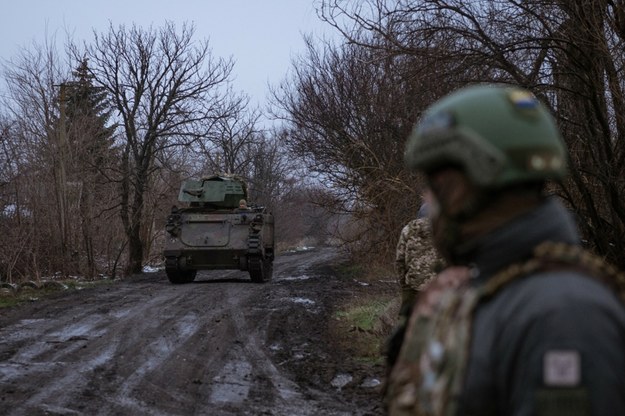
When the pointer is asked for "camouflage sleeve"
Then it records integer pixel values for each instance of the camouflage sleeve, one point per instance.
(421, 256)
(400, 257)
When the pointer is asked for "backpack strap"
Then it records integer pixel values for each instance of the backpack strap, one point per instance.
(558, 256)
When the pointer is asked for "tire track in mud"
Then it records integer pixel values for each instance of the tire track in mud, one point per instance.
(166, 372)
(143, 346)
(249, 374)
(139, 345)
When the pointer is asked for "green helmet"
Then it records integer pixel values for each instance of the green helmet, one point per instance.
(499, 135)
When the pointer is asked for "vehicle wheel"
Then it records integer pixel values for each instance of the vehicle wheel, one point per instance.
(268, 268)
(181, 276)
(260, 270)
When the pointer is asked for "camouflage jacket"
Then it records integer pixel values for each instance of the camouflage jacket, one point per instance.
(416, 259)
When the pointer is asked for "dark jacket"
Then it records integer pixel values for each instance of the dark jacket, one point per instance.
(549, 343)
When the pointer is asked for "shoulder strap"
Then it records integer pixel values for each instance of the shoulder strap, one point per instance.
(557, 256)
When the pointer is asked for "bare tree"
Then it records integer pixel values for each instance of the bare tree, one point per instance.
(14, 241)
(226, 148)
(40, 186)
(272, 173)
(167, 90)
(348, 111)
(570, 53)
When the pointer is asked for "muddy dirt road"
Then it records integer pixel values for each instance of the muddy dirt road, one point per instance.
(219, 346)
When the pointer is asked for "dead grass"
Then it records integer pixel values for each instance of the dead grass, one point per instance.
(13, 295)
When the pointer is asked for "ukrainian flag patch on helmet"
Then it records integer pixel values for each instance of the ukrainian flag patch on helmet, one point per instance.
(523, 100)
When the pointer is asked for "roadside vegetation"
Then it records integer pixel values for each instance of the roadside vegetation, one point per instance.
(349, 107)
(29, 291)
(361, 325)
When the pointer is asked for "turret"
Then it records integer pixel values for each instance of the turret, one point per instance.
(217, 191)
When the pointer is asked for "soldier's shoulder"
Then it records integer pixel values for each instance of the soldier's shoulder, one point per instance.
(420, 224)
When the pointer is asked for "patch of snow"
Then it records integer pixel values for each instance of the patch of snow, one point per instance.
(301, 277)
(302, 301)
(370, 383)
(300, 249)
(341, 380)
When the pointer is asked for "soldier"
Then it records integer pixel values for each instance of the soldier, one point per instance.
(416, 259)
(416, 264)
(535, 325)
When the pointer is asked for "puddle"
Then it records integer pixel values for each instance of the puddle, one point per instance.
(26, 328)
(80, 329)
(121, 313)
(232, 385)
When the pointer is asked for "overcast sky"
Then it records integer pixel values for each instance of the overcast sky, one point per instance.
(260, 35)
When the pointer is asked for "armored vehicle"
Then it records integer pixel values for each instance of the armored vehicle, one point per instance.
(217, 230)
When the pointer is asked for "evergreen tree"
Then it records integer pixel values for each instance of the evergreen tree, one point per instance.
(88, 114)
(89, 156)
